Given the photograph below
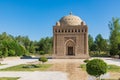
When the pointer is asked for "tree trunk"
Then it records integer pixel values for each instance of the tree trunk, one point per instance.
(97, 78)
(99, 51)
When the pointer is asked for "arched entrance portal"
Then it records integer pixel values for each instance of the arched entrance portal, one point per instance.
(70, 48)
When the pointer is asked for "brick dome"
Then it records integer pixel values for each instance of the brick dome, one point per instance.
(70, 20)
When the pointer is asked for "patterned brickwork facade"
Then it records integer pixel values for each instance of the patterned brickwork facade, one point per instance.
(70, 36)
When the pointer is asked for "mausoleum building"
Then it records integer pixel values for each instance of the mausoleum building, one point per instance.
(70, 38)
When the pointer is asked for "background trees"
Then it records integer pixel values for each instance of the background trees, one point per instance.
(45, 45)
(114, 39)
(10, 47)
(99, 46)
(22, 45)
(90, 42)
(110, 46)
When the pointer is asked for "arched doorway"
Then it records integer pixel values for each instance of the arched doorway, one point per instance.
(70, 48)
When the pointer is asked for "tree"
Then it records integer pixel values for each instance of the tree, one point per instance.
(32, 47)
(22, 45)
(43, 59)
(9, 46)
(101, 44)
(42, 52)
(96, 67)
(11, 52)
(45, 44)
(90, 42)
(1, 54)
(114, 38)
(25, 41)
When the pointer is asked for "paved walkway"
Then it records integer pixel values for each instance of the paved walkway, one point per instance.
(62, 69)
(36, 75)
(70, 66)
(111, 61)
(9, 63)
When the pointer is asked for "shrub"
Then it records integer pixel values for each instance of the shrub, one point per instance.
(43, 59)
(30, 66)
(86, 60)
(97, 54)
(42, 52)
(96, 67)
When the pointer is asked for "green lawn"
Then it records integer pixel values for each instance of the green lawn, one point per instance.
(111, 68)
(22, 67)
(2, 64)
(109, 79)
(8, 78)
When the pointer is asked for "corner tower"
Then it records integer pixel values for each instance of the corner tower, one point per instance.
(70, 38)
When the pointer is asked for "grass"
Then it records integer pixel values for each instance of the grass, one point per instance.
(2, 64)
(40, 67)
(111, 68)
(9, 78)
(109, 79)
(83, 66)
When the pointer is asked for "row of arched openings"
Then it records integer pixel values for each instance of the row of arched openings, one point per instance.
(70, 30)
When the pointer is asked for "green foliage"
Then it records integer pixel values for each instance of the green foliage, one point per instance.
(101, 44)
(113, 68)
(9, 78)
(32, 47)
(21, 67)
(86, 60)
(0, 54)
(9, 46)
(97, 54)
(110, 68)
(31, 66)
(96, 67)
(42, 52)
(22, 45)
(90, 42)
(43, 59)
(114, 27)
(5, 52)
(11, 52)
(83, 66)
(46, 44)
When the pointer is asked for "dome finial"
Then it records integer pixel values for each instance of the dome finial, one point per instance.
(70, 13)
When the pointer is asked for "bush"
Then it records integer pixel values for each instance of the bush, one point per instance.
(96, 67)
(30, 66)
(43, 59)
(42, 52)
(86, 61)
(97, 54)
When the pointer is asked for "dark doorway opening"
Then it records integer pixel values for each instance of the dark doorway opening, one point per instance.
(70, 51)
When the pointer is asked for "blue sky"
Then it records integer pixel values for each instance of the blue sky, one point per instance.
(35, 18)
